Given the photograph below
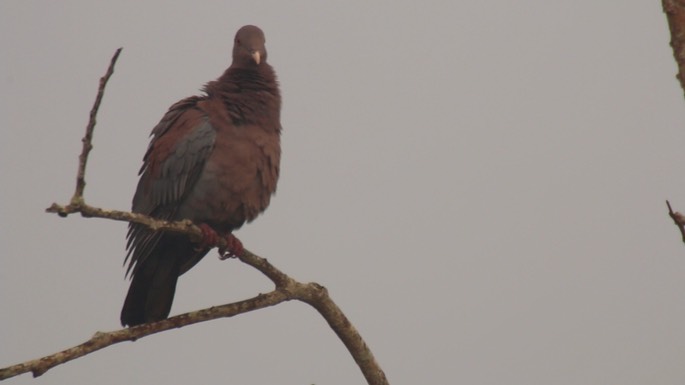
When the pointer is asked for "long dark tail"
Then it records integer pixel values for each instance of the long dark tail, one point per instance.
(152, 290)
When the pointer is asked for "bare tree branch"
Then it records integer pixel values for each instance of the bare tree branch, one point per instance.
(286, 288)
(675, 14)
(103, 339)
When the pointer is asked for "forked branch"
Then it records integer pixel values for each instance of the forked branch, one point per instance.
(286, 288)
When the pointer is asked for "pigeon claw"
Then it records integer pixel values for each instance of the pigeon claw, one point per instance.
(234, 248)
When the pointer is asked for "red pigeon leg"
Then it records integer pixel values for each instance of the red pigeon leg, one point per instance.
(209, 237)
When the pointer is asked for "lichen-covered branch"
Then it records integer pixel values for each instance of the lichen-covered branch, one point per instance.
(184, 226)
(286, 288)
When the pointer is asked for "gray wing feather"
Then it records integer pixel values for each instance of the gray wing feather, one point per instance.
(179, 173)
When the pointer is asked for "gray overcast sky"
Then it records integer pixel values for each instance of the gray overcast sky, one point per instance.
(480, 185)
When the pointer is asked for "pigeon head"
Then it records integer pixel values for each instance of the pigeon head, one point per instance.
(248, 47)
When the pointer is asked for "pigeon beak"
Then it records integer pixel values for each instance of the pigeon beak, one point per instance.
(256, 56)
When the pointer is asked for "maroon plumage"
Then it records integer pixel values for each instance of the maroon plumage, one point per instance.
(213, 159)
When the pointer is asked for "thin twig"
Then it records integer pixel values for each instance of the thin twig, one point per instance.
(286, 288)
(88, 138)
(678, 219)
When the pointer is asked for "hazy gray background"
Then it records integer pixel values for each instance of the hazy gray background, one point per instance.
(480, 185)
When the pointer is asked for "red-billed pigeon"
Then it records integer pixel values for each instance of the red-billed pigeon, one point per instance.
(213, 159)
